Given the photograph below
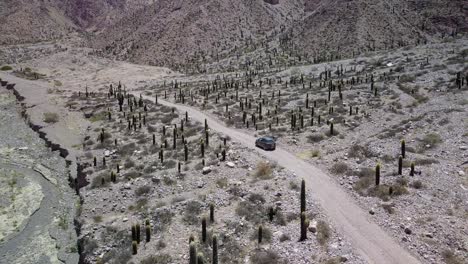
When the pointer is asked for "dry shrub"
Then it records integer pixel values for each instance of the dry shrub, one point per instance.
(358, 151)
(315, 137)
(432, 139)
(192, 211)
(51, 117)
(264, 171)
(450, 257)
(160, 259)
(266, 257)
(142, 190)
(323, 232)
(339, 168)
(389, 208)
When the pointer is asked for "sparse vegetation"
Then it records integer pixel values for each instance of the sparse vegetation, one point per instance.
(323, 232)
(51, 118)
(165, 170)
(263, 171)
(6, 68)
(339, 168)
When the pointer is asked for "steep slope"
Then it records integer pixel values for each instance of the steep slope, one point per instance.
(94, 15)
(25, 21)
(169, 32)
(359, 25)
(174, 33)
(31, 21)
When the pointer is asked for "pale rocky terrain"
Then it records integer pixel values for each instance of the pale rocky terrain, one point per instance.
(37, 207)
(339, 84)
(418, 86)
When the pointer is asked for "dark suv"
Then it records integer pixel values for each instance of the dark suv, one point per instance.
(266, 143)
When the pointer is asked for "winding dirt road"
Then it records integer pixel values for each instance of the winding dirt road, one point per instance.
(371, 241)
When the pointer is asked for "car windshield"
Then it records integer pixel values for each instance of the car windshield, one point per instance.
(269, 140)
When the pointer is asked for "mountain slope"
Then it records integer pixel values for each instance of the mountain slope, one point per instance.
(31, 21)
(359, 25)
(170, 32)
(174, 33)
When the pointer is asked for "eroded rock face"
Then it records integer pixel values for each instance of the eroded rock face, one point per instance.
(272, 2)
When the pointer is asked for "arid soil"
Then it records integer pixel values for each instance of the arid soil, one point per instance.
(37, 207)
(373, 102)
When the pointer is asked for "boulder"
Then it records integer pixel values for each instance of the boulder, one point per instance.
(206, 170)
(313, 226)
(272, 2)
(408, 231)
(230, 164)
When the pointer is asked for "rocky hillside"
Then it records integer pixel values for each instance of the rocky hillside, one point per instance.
(32, 21)
(354, 26)
(169, 32)
(172, 33)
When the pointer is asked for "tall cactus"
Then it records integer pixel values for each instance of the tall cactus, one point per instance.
(138, 232)
(134, 247)
(260, 234)
(133, 233)
(193, 253)
(403, 148)
(271, 213)
(377, 174)
(148, 233)
(200, 258)
(212, 213)
(303, 227)
(215, 250)
(174, 138)
(202, 149)
(204, 229)
(412, 169)
(303, 196)
(400, 165)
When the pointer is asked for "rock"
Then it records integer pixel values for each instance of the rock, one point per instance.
(313, 226)
(156, 180)
(107, 153)
(125, 219)
(408, 231)
(371, 211)
(230, 164)
(206, 170)
(429, 235)
(461, 173)
(271, 2)
(463, 147)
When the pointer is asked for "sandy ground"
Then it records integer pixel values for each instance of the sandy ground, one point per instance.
(38, 206)
(347, 212)
(351, 221)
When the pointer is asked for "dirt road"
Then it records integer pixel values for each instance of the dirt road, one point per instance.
(371, 241)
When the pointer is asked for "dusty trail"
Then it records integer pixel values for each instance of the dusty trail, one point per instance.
(371, 241)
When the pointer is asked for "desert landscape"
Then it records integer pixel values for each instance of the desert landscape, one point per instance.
(130, 131)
